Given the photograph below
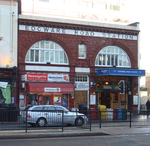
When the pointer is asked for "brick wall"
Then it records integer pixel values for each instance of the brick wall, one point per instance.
(70, 44)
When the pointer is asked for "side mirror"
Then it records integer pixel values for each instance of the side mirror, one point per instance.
(65, 112)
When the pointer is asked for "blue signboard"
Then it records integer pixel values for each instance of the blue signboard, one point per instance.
(120, 72)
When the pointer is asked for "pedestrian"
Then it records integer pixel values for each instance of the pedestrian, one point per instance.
(32, 102)
(148, 107)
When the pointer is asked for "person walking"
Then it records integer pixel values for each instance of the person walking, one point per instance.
(148, 107)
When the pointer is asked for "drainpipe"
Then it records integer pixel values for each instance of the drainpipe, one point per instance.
(12, 14)
(138, 44)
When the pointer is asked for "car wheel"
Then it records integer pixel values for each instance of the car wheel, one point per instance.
(41, 122)
(32, 124)
(79, 121)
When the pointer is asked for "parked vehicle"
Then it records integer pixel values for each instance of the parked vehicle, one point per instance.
(41, 115)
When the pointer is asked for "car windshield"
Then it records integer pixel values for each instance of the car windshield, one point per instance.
(27, 108)
(61, 108)
(65, 109)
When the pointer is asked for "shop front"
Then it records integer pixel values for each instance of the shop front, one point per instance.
(107, 87)
(43, 92)
(8, 85)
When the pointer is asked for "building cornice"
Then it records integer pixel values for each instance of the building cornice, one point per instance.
(77, 25)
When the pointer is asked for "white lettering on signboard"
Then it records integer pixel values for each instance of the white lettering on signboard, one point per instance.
(52, 90)
(77, 32)
(58, 77)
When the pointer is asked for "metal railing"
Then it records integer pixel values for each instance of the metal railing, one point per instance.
(26, 120)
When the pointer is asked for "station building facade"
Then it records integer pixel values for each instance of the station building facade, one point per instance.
(69, 63)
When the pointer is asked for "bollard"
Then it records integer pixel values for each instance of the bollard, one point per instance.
(130, 119)
(100, 119)
(62, 121)
(26, 123)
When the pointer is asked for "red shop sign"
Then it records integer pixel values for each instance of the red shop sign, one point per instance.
(5, 73)
(36, 77)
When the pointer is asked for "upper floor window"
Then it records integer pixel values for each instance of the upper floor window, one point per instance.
(46, 52)
(81, 78)
(44, 0)
(72, 2)
(115, 7)
(87, 4)
(101, 6)
(112, 56)
(81, 51)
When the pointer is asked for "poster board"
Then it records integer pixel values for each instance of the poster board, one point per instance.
(135, 100)
(57, 99)
(21, 101)
(92, 99)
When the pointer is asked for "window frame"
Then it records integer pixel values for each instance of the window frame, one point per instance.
(43, 0)
(82, 52)
(81, 79)
(87, 4)
(117, 57)
(50, 49)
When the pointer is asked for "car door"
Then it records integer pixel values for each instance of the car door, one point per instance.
(59, 114)
(36, 113)
(50, 114)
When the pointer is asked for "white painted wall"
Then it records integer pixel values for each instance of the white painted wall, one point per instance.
(8, 32)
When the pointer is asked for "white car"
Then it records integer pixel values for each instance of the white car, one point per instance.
(41, 115)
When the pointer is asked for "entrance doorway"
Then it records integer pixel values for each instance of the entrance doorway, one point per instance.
(80, 98)
(47, 100)
(105, 99)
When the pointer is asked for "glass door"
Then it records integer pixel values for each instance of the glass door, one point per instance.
(47, 100)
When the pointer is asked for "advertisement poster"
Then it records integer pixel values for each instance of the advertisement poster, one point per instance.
(57, 99)
(21, 101)
(12, 99)
(58, 77)
(135, 100)
(5, 94)
(21, 104)
(92, 99)
(46, 77)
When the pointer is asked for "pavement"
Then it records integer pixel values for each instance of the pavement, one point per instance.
(20, 134)
(68, 132)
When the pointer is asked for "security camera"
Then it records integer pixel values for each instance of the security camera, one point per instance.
(13, 13)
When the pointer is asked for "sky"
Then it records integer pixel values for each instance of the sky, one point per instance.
(139, 11)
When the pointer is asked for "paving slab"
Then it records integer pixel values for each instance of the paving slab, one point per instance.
(13, 134)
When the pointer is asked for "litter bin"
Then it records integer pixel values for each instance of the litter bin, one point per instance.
(102, 108)
(13, 112)
(83, 109)
(119, 113)
(115, 114)
(94, 113)
(109, 114)
(4, 112)
(124, 114)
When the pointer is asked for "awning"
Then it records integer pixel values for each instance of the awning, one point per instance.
(49, 88)
(120, 72)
